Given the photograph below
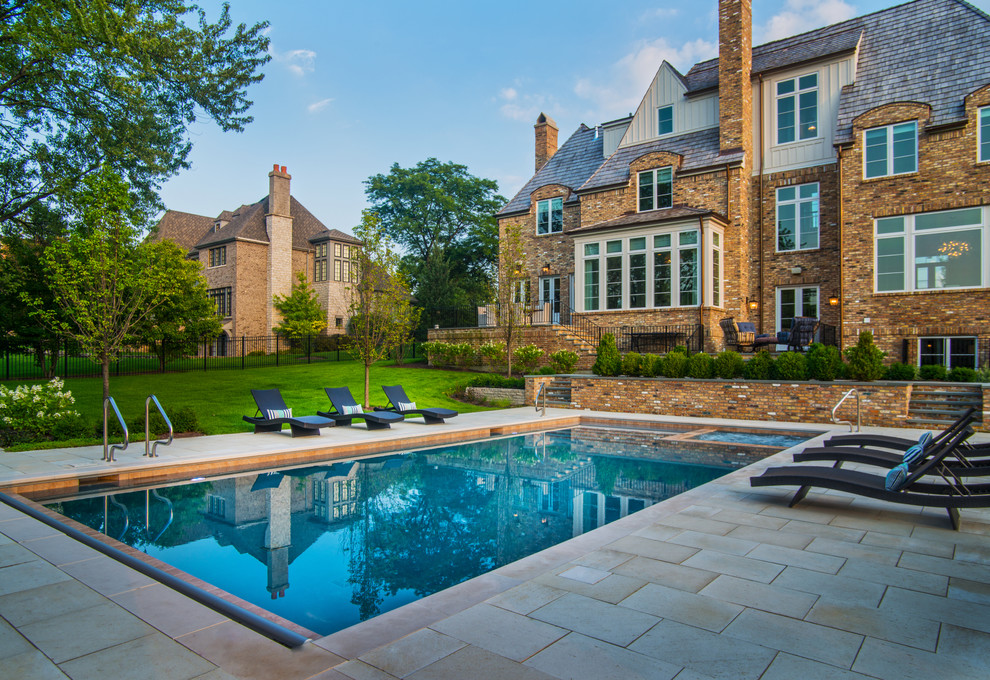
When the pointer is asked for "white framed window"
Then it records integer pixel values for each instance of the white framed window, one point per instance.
(890, 150)
(218, 256)
(931, 251)
(550, 216)
(651, 270)
(797, 217)
(520, 291)
(665, 120)
(983, 140)
(949, 352)
(656, 189)
(795, 301)
(797, 108)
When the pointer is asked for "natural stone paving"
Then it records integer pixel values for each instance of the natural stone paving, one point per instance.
(724, 581)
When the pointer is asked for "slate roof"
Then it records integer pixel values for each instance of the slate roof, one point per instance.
(571, 166)
(182, 228)
(699, 149)
(677, 212)
(336, 235)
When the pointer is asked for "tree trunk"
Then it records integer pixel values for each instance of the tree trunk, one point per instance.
(367, 386)
(106, 377)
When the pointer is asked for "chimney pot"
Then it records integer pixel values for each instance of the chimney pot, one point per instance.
(283, 169)
(275, 168)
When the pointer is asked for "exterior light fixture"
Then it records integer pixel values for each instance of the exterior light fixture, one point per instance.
(753, 303)
(833, 300)
(546, 268)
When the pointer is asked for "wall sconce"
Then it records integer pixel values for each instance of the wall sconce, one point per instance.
(546, 268)
(833, 300)
(752, 303)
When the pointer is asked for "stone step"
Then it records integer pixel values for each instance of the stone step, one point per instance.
(954, 403)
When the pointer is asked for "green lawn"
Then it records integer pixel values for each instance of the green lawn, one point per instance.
(220, 398)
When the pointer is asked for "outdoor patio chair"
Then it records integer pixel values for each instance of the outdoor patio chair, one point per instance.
(748, 336)
(897, 443)
(273, 414)
(400, 403)
(802, 333)
(346, 410)
(897, 486)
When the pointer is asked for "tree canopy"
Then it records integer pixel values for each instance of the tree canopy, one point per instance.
(87, 84)
(300, 310)
(444, 218)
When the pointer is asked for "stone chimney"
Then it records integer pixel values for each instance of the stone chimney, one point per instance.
(735, 90)
(546, 140)
(278, 225)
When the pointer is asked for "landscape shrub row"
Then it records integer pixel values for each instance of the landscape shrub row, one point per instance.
(863, 361)
(525, 359)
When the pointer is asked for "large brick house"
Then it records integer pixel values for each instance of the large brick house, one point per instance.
(841, 174)
(255, 252)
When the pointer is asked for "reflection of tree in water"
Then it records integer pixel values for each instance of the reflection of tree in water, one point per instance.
(147, 516)
(431, 527)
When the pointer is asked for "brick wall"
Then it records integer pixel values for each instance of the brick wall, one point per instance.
(547, 338)
(882, 404)
(250, 302)
(514, 397)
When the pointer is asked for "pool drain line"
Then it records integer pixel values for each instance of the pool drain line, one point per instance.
(240, 615)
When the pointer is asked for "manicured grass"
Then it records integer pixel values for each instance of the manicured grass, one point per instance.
(220, 398)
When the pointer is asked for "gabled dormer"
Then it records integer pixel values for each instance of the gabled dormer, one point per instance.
(666, 111)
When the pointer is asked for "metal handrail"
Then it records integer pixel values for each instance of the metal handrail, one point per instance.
(147, 514)
(847, 422)
(108, 452)
(147, 427)
(543, 391)
(106, 520)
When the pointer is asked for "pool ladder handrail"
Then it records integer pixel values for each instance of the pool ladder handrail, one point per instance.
(847, 422)
(108, 451)
(153, 453)
(147, 515)
(542, 391)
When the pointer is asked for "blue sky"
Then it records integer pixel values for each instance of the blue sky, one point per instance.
(355, 87)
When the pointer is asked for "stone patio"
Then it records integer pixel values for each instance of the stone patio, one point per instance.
(723, 581)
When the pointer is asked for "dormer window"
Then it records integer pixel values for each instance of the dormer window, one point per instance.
(665, 120)
(797, 109)
(216, 226)
(656, 189)
(550, 216)
(984, 136)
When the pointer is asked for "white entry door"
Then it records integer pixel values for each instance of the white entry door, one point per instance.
(550, 298)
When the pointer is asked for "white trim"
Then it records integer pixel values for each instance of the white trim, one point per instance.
(890, 149)
(798, 302)
(796, 95)
(980, 141)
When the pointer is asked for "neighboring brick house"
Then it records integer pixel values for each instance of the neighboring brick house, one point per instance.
(253, 253)
(842, 174)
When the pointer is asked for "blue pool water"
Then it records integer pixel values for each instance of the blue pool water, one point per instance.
(330, 545)
(783, 441)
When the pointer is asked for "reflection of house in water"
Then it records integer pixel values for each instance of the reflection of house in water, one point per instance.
(335, 495)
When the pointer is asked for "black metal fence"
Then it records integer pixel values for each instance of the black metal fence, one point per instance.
(23, 360)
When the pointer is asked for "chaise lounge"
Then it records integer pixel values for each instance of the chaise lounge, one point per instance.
(346, 410)
(273, 414)
(402, 404)
(899, 486)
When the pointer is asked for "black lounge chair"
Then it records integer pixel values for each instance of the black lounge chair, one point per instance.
(346, 410)
(898, 443)
(273, 414)
(917, 489)
(400, 403)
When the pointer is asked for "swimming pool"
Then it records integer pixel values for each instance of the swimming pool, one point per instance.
(329, 545)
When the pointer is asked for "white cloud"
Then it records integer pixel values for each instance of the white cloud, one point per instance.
(508, 93)
(623, 87)
(517, 106)
(799, 16)
(299, 62)
(320, 105)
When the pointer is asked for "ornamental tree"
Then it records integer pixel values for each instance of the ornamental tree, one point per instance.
(300, 310)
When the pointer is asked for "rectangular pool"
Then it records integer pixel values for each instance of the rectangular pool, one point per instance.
(329, 545)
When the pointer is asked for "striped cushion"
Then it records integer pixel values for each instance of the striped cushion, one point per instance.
(913, 455)
(274, 413)
(348, 410)
(896, 478)
(406, 406)
(925, 440)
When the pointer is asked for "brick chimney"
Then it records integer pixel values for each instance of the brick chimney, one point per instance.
(735, 91)
(278, 225)
(546, 140)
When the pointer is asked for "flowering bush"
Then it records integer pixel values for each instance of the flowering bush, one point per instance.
(36, 412)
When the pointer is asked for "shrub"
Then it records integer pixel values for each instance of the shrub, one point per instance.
(493, 380)
(546, 370)
(34, 413)
(493, 353)
(183, 420)
(963, 374)
(983, 375)
(865, 359)
(435, 351)
(760, 367)
(563, 360)
(899, 371)
(674, 365)
(701, 365)
(932, 372)
(728, 364)
(631, 364)
(649, 366)
(527, 356)
(823, 362)
(608, 361)
(790, 366)
(461, 354)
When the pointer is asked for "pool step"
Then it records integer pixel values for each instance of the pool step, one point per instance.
(940, 405)
(559, 393)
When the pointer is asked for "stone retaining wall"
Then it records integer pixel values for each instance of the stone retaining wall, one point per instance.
(883, 404)
(514, 397)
